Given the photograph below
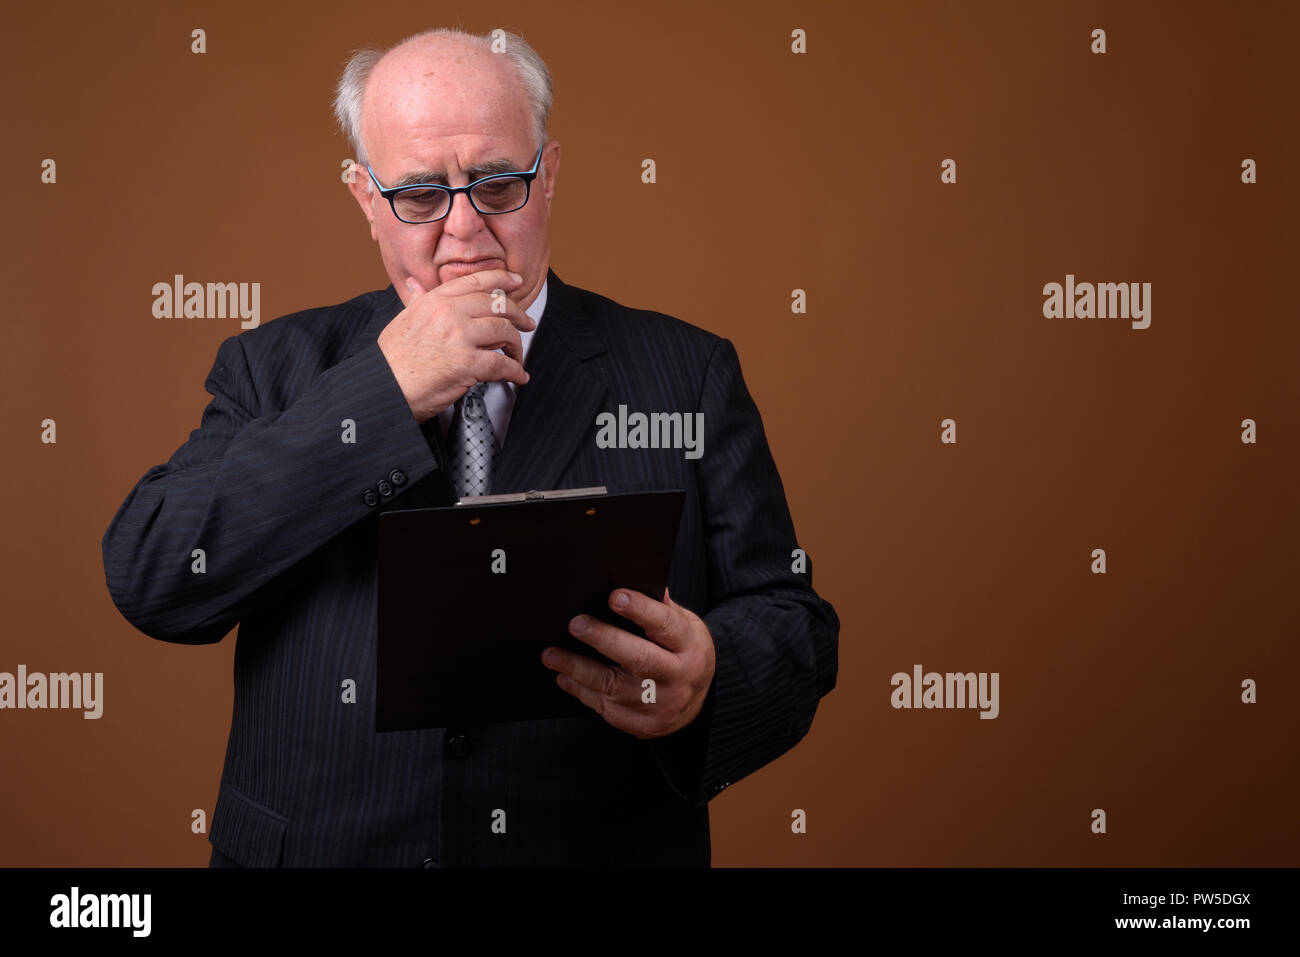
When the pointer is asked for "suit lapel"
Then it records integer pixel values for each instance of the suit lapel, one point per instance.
(557, 409)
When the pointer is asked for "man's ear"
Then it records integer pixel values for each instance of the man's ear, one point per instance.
(362, 190)
(551, 161)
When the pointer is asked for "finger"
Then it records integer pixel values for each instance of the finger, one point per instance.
(612, 683)
(495, 332)
(664, 625)
(489, 366)
(413, 284)
(495, 304)
(502, 305)
(485, 280)
(645, 659)
(633, 720)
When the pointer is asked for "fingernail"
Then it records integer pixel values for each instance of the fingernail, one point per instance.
(516, 277)
(620, 600)
(578, 625)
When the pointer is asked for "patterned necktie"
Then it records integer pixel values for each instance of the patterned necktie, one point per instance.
(472, 444)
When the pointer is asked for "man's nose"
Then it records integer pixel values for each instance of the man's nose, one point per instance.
(463, 219)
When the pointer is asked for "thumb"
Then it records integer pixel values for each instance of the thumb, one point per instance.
(413, 284)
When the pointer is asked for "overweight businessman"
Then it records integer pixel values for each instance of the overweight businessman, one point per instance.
(455, 391)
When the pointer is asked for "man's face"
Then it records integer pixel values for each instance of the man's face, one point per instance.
(445, 111)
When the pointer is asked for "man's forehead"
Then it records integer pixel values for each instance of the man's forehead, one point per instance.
(422, 124)
(435, 62)
(441, 82)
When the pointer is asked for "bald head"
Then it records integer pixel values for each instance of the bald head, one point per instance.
(430, 56)
(440, 88)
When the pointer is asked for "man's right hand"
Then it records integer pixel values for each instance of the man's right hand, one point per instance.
(443, 342)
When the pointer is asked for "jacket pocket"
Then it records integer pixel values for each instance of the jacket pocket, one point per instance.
(247, 832)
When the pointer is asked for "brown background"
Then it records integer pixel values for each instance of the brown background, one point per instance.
(775, 171)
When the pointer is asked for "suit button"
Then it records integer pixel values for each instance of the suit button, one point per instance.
(385, 488)
(397, 477)
(458, 745)
(430, 862)
(370, 498)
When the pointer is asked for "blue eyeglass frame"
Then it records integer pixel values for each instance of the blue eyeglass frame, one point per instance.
(526, 175)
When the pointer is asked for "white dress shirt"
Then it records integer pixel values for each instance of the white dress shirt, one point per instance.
(499, 397)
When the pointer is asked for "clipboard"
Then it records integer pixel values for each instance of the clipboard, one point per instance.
(470, 595)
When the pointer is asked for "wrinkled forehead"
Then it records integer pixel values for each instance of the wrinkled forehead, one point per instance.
(439, 95)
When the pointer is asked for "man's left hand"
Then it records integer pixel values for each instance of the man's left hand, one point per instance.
(678, 658)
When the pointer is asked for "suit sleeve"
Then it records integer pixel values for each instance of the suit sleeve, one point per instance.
(258, 492)
(776, 641)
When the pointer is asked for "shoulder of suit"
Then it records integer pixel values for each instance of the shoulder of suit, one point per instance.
(621, 320)
(324, 328)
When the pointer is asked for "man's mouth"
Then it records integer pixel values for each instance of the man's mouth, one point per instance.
(481, 263)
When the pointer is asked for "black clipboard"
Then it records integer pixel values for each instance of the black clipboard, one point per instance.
(460, 640)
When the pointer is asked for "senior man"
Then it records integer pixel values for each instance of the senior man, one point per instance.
(451, 390)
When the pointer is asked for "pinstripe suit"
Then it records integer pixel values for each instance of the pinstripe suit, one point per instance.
(278, 503)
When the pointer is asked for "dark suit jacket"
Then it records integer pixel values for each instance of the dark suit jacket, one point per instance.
(279, 505)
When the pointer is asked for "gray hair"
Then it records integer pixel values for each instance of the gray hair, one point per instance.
(528, 66)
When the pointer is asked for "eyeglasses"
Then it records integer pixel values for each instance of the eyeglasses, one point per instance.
(492, 195)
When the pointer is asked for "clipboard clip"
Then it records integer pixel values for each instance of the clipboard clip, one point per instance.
(533, 495)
